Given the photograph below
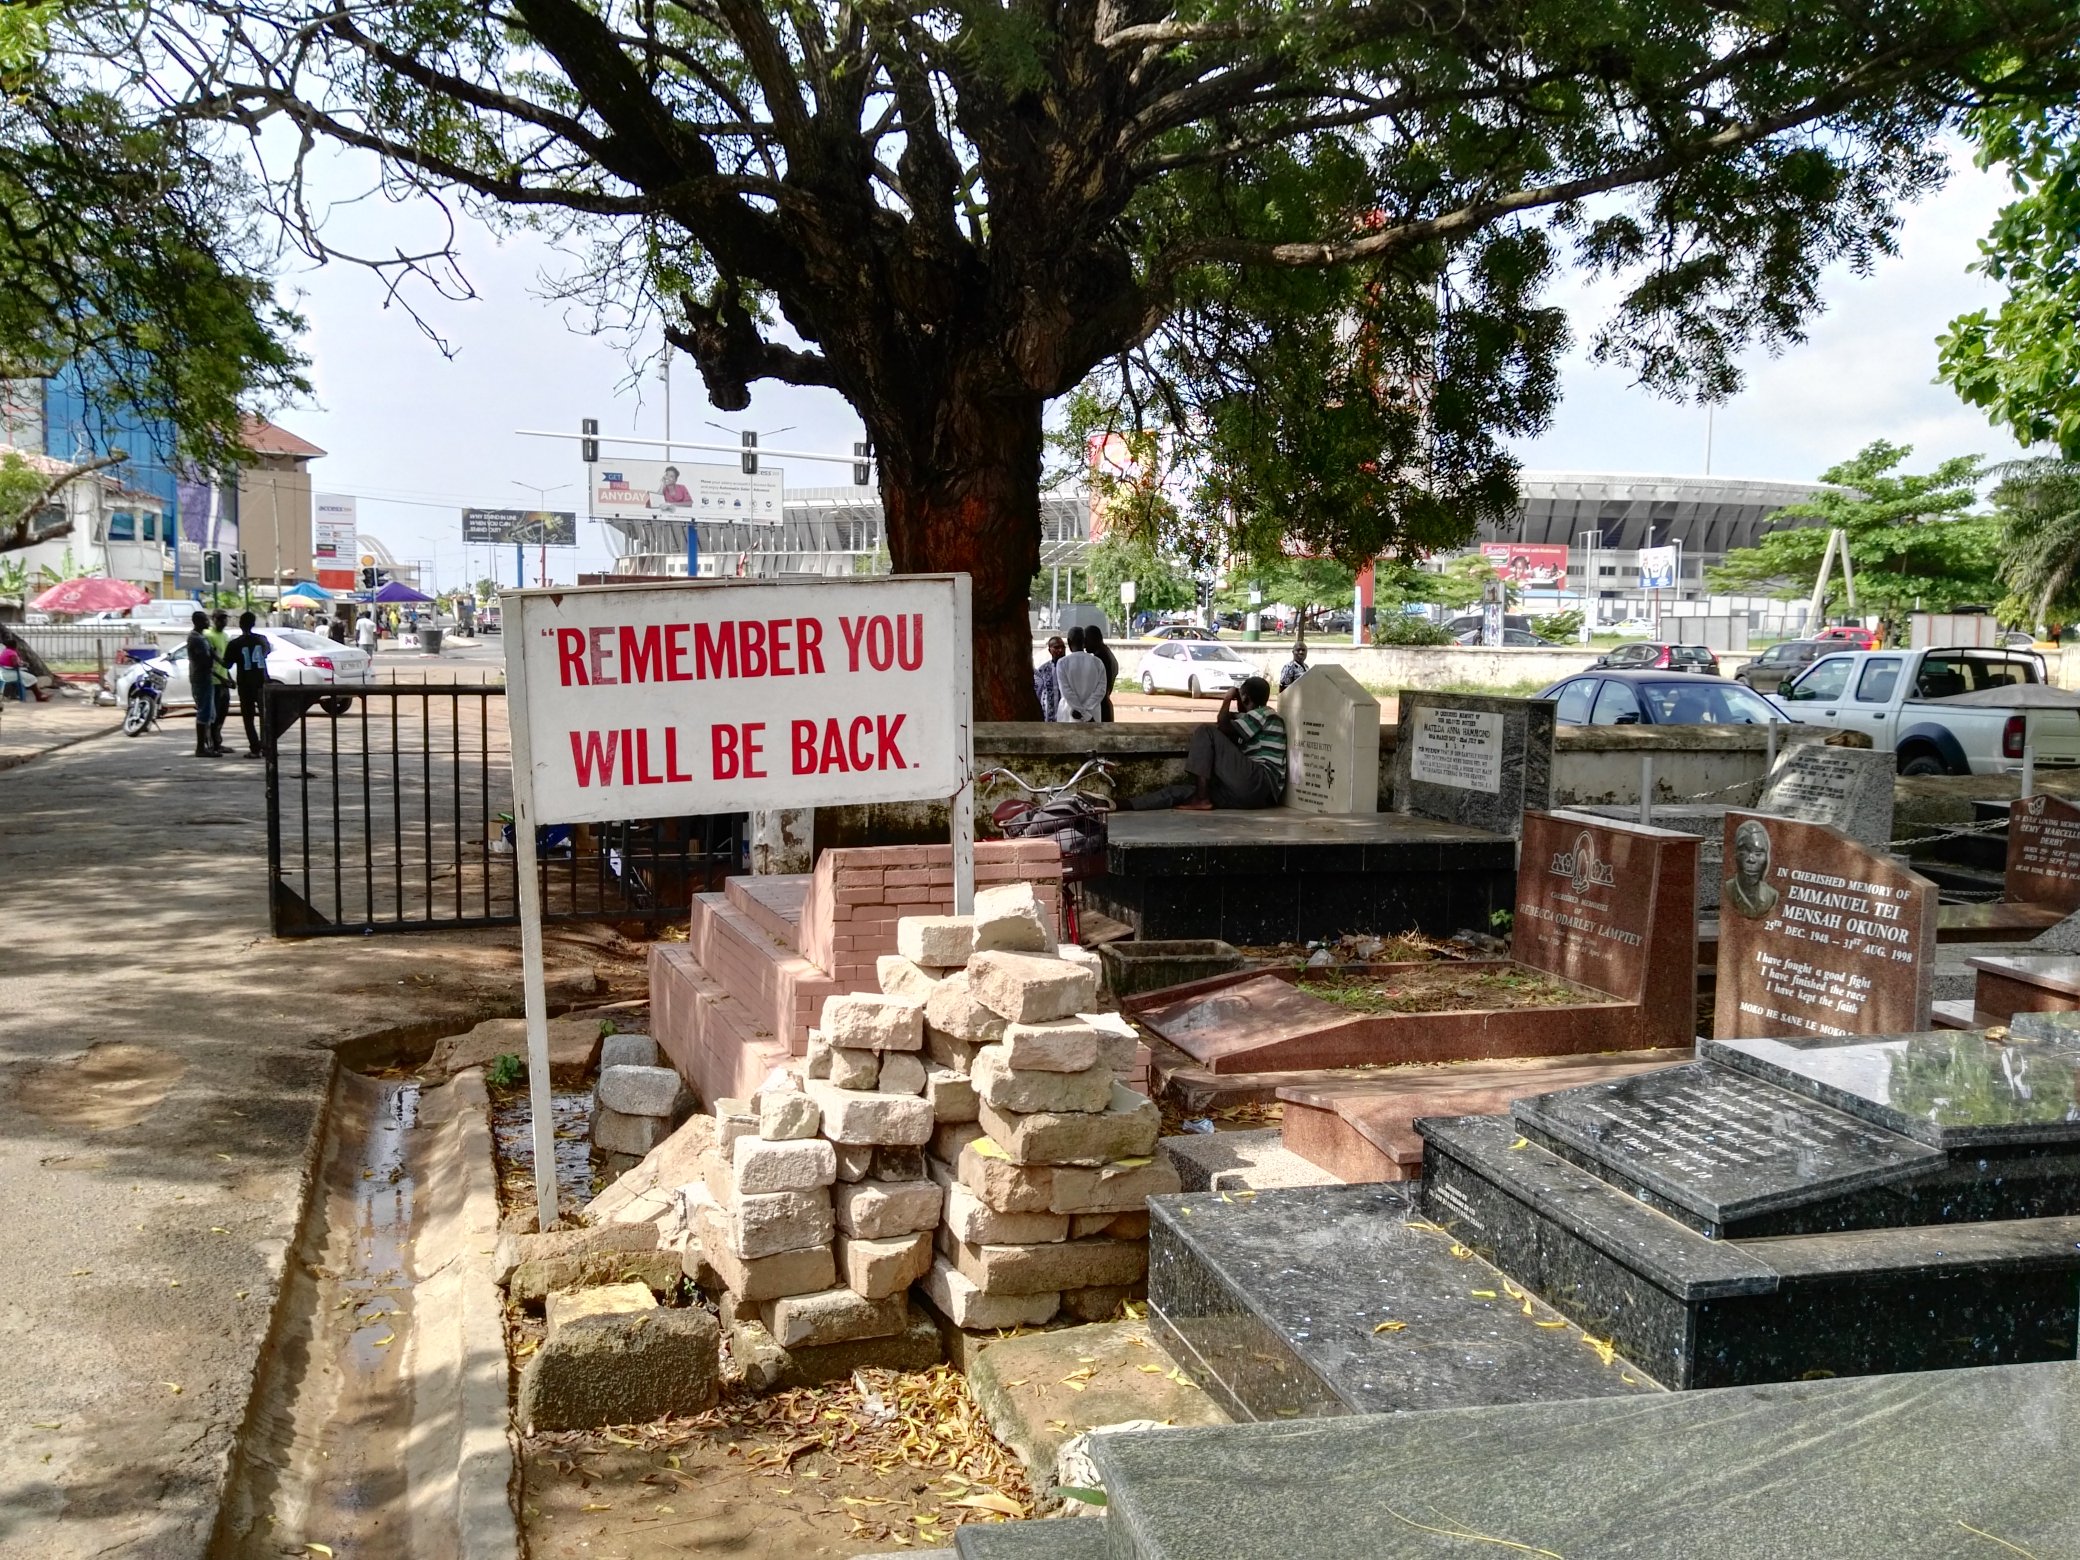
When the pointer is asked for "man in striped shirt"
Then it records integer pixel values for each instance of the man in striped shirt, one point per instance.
(1238, 761)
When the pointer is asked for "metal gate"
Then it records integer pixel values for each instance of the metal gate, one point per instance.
(389, 808)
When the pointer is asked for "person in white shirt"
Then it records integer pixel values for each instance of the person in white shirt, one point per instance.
(1080, 678)
(365, 633)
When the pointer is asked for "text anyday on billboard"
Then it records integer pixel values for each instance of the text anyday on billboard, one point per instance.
(693, 699)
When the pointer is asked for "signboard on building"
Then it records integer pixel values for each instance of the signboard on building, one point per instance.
(335, 539)
(682, 490)
(1657, 567)
(1529, 565)
(535, 527)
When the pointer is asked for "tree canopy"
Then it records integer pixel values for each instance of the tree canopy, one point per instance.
(129, 251)
(1160, 582)
(2037, 502)
(1910, 539)
(1312, 239)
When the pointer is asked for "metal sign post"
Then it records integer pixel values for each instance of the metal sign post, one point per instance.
(686, 700)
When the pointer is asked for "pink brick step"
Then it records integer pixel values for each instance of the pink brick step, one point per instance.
(709, 1036)
(783, 991)
(856, 895)
(773, 903)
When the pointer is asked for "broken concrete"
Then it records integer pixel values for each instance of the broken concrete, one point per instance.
(624, 1369)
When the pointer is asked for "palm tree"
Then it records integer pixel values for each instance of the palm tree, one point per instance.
(2038, 500)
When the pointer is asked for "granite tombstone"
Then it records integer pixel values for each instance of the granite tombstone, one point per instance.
(2043, 852)
(1472, 759)
(1819, 935)
(1332, 743)
(1846, 788)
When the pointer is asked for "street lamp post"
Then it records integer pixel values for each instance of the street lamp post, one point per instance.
(541, 496)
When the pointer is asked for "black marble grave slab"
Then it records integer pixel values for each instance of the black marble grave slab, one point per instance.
(1951, 1089)
(1718, 1149)
(1342, 1299)
(1279, 876)
(1700, 1312)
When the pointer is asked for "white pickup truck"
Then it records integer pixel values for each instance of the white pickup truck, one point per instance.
(1944, 712)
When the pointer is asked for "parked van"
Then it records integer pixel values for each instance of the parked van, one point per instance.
(165, 612)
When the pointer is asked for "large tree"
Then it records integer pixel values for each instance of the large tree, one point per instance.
(132, 251)
(1311, 236)
(1912, 544)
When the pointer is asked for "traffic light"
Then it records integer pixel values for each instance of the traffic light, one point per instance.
(750, 455)
(588, 447)
(368, 579)
(212, 567)
(862, 471)
(237, 561)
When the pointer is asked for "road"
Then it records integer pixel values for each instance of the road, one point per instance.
(164, 1066)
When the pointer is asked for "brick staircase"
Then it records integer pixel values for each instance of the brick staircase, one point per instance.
(738, 998)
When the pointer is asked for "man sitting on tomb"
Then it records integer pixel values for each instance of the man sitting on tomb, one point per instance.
(1238, 761)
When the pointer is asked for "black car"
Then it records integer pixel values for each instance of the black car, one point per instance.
(1661, 656)
(1778, 664)
(1512, 639)
(1658, 698)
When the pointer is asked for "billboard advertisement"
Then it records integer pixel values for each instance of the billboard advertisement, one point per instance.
(535, 527)
(678, 700)
(678, 490)
(1529, 565)
(334, 540)
(1657, 567)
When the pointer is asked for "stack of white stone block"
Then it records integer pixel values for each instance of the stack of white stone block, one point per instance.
(1042, 1155)
(637, 1102)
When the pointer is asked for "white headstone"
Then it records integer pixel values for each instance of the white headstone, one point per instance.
(1844, 788)
(1332, 743)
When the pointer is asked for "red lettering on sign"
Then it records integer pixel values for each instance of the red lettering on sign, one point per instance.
(714, 650)
(888, 756)
(628, 758)
(675, 653)
(596, 655)
(753, 750)
(834, 749)
(808, 633)
(593, 757)
(910, 642)
(803, 733)
(672, 771)
(723, 742)
(777, 643)
(570, 657)
(643, 775)
(642, 654)
(751, 647)
(881, 644)
(852, 628)
(862, 726)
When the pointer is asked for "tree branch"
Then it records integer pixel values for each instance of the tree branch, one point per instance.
(14, 529)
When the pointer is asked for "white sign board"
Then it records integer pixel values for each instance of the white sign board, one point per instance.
(1461, 748)
(679, 489)
(681, 700)
(650, 701)
(333, 531)
(1126, 592)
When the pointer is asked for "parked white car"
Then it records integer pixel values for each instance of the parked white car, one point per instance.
(293, 656)
(1193, 666)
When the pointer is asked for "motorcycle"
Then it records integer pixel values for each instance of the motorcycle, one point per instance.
(147, 695)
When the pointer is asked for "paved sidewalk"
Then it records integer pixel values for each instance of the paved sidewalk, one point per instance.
(30, 731)
(163, 1069)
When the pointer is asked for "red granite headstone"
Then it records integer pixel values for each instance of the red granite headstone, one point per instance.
(2043, 852)
(1819, 935)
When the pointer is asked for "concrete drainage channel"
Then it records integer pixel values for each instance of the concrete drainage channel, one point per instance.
(379, 1427)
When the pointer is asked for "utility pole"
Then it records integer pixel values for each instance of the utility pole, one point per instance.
(541, 495)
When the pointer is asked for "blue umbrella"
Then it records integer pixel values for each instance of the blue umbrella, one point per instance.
(397, 591)
(308, 591)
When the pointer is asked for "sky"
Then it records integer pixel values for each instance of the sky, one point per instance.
(416, 432)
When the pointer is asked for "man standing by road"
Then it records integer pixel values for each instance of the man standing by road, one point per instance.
(1080, 677)
(365, 632)
(1294, 669)
(202, 684)
(1044, 683)
(219, 634)
(247, 657)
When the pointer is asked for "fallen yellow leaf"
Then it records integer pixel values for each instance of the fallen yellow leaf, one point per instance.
(45, 1424)
(596, 1505)
(1153, 1370)
(1390, 1327)
(990, 1500)
(1482, 1294)
(173, 1386)
(218, 1229)
(319, 1549)
(1551, 1324)
(1521, 1143)
(386, 1340)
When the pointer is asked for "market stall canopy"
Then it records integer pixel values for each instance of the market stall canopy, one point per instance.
(398, 591)
(90, 595)
(308, 592)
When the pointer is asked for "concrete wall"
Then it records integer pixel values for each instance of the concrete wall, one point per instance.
(1590, 763)
(1388, 667)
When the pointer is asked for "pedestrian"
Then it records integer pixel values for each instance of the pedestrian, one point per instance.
(1294, 669)
(1044, 684)
(365, 632)
(14, 671)
(219, 635)
(1094, 644)
(1080, 677)
(336, 629)
(202, 682)
(1238, 761)
(247, 657)
(411, 620)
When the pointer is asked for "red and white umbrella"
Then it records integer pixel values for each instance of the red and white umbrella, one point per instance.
(90, 595)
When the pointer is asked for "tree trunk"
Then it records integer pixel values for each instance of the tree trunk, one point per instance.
(970, 504)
